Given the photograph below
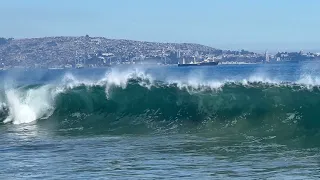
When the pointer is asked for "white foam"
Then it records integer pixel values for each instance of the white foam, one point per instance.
(309, 80)
(3, 106)
(262, 79)
(113, 77)
(120, 78)
(193, 81)
(70, 81)
(26, 106)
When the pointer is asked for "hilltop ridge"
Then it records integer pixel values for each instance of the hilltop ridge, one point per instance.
(100, 51)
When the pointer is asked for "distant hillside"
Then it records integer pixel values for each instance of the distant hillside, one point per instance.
(55, 51)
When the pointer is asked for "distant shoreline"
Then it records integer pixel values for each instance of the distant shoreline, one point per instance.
(86, 51)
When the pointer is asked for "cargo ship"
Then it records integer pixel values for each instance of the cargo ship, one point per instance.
(206, 62)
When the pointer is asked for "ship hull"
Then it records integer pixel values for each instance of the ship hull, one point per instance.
(200, 64)
(188, 65)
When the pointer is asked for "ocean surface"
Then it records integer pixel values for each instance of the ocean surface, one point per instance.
(259, 121)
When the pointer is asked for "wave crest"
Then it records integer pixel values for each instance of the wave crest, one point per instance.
(128, 102)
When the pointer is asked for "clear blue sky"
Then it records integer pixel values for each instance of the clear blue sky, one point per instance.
(227, 24)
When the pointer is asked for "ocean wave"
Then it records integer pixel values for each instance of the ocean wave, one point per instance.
(133, 101)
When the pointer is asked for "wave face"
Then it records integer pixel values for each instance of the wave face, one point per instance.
(131, 103)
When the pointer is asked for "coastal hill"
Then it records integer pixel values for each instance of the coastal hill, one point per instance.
(99, 51)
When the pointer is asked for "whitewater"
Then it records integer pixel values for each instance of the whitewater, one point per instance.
(229, 121)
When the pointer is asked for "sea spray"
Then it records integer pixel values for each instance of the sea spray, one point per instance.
(28, 105)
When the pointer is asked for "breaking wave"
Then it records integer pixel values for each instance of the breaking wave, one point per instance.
(134, 102)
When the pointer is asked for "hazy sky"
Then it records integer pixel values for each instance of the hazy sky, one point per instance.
(227, 24)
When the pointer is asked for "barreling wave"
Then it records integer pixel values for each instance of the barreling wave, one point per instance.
(135, 103)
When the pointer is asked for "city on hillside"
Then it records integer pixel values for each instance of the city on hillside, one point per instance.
(86, 51)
